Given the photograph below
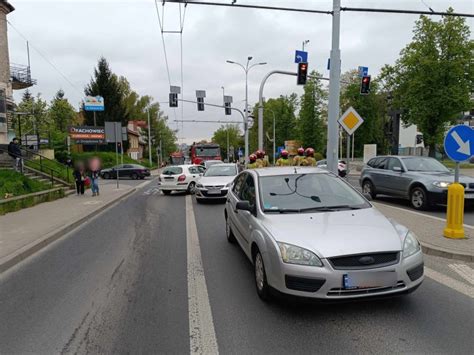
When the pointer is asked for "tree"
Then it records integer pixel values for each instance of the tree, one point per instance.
(61, 112)
(235, 138)
(106, 84)
(431, 80)
(37, 121)
(310, 126)
(283, 110)
(372, 108)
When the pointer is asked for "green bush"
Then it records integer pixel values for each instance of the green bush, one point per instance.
(17, 184)
(318, 156)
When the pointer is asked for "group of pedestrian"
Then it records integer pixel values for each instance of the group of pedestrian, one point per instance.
(85, 176)
(14, 150)
(304, 157)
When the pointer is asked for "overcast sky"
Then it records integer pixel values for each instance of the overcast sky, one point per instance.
(73, 34)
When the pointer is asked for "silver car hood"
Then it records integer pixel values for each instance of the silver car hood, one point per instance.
(216, 180)
(335, 233)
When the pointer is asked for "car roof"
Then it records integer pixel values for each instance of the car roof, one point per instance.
(225, 164)
(288, 170)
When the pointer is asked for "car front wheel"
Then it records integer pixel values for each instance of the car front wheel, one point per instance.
(263, 290)
(134, 176)
(368, 188)
(228, 231)
(419, 198)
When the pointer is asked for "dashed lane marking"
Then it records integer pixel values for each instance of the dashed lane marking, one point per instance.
(202, 335)
(466, 272)
(445, 280)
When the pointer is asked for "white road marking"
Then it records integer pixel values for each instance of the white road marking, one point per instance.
(418, 213)
(202, 336)
(450, 282)
(464, 271)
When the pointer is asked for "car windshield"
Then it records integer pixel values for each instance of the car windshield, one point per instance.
(424, 164)
(207, 152)
(308, 192)
(221, 170)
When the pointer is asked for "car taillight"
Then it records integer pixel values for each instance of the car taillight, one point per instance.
(182, 178)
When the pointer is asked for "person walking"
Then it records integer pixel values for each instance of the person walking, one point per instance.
(14, 151)
(80, 178)
(94, 168)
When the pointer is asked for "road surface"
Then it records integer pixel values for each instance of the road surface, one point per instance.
(119, 284)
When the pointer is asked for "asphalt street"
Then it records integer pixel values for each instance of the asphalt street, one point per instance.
(120, 284)
(437, 211)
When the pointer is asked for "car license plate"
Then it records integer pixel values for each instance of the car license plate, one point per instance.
(214, 192)
(359, 280)
(469, 196)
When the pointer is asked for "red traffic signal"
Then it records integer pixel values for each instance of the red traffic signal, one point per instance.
(365, 85)
(302, 73)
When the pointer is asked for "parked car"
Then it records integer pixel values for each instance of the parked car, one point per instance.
(216, 181)
(209, 163)
(341, 166)
(133, 171)
(178, 178)
(310, 234)
(422, 180)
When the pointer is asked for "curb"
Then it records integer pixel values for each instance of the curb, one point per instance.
(430, 249)
(35, 246)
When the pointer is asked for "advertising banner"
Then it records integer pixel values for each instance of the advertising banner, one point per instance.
(94, 103)
(87, 134)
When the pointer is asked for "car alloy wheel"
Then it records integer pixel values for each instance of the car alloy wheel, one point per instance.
(192, 187)
(228, 231)
(134, 176)
(261, 277)
(106, 176)
(418, 198)
(368, 188)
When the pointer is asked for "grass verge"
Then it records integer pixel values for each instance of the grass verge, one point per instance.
(15, 184)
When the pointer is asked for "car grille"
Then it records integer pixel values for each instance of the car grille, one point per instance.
(213, 186)
(416, 272)
(341, 292)
(303, 283)
(362, 261)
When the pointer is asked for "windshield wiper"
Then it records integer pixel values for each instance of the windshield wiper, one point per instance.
(315, 208)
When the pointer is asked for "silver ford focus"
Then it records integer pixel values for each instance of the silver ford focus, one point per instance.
(308, 233)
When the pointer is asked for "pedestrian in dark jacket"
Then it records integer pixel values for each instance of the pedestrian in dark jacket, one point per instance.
(14, 151)
(79, 174)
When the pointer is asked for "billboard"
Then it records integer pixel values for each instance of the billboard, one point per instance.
(87, 134)
(94, 103)
(292, 146)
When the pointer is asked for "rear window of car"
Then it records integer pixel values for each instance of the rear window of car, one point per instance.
(173, 170)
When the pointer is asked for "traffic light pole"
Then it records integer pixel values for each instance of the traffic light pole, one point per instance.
(260, 104)
(334, 90)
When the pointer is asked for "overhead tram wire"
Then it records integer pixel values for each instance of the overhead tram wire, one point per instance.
(46, 59)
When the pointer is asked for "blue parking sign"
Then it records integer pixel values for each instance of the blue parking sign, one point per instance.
(459, 143)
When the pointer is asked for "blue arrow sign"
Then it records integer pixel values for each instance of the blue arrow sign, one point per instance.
(301, 57)
(363, 71)
(459, 143)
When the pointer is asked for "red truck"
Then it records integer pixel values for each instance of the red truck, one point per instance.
(200, 152)
(177, 158)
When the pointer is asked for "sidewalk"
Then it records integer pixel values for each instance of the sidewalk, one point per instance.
(430, 233)
(24, 232)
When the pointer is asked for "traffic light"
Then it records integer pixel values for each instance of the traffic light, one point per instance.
(173, 99)
(302, 73)
(365, 85)
(200, 103)
(227, 108)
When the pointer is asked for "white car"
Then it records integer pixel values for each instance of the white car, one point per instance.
(179, 178)
(309, 233)
(216, 181)
(341, 166)
(209, 163)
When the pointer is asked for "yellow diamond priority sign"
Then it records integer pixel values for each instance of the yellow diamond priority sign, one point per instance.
(350, 120)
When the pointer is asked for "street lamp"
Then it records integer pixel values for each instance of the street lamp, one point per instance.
(227, 130)
(246, 69)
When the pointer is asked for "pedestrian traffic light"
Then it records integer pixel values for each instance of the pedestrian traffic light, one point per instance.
(227, 108)
(302, 73)
(173, 100)
(200, 103)
(365, 85)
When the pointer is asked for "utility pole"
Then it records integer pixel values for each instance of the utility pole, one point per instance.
(334, 89)
(149, 138)
(246, 119)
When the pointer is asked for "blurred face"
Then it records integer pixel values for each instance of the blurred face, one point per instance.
(94, 164)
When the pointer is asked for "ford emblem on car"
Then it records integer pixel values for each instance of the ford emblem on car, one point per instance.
(367, 260)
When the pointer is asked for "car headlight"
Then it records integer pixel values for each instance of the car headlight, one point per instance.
(199, 186)
(228, 184)
(441, 184)
(292, 254)
(411, 245)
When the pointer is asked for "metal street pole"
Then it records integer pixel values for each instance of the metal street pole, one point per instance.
(149, 138)
(348, 153)
(334, 89)
(228, 146)
(116, 153)
(274, 142)
(246, 118)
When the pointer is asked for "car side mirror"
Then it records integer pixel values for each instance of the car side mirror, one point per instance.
(397, 169)
(244, 206)
(367, 196)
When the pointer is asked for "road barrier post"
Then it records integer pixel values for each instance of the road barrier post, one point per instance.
(455, 212)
